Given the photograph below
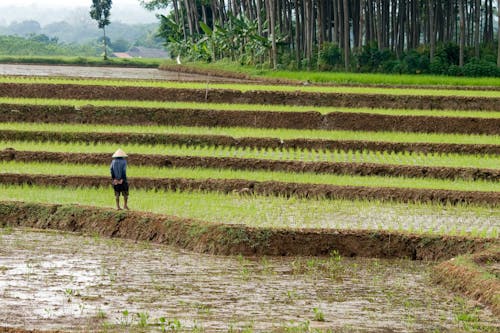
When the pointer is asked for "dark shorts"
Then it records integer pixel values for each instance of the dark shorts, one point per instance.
(121, 188)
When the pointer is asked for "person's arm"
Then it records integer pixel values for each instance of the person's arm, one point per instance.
(112, 172)
(124, 175)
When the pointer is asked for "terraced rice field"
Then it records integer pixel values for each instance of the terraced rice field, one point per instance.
(327, 172)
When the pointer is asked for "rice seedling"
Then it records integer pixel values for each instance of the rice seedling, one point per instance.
(298, 155)
(252, 87)
(262, 176)
(284, 134)
(280, 212)
(248, 107)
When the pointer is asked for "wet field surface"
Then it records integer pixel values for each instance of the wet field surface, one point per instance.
(51, 280)
(104, 72)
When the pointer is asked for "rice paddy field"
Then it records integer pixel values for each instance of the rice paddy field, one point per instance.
(254, 207)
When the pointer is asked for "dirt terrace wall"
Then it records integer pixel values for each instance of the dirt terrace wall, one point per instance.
(74, 91)
(249, 187)
(465, 275)
(226, 239)
(257, 119)
(227, 141)
(358, 169)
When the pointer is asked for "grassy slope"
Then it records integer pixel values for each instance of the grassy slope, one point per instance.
(434, 159)
(254, 87)
(278, 212)
(251, 107)
(284, 134)
(348, 78)
(202, 173)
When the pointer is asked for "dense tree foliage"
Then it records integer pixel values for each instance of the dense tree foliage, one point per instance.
(100, 11)
(42, 45)
(406, 36)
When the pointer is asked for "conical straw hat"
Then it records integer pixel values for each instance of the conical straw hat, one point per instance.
(119, 153)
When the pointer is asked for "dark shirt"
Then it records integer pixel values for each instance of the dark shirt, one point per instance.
(119, 169)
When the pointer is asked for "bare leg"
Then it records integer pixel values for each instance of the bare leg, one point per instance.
(125, 200)
(118, 202)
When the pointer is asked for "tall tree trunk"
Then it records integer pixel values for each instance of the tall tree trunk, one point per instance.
(272, 22)
(477, 16)
(498, 37)
(105, 44)
(462, 32)
(347, 36)
(432, 29)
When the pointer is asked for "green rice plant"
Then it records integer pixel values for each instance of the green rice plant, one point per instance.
(253, 87)
(249, 107)
(305, 155)
(278, 212)
(284, 134)
(262, 176)
(347, 78)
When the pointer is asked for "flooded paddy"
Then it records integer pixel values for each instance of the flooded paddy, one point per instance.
(52, 280)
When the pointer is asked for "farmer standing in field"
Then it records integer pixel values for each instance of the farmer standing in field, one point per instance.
(119, 177)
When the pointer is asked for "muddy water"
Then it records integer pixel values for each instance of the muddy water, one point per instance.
(103, 72)
(64, 281)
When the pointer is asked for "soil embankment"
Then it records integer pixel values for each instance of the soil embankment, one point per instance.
(235, 239)
(342, 168)
(311, 120)
(228, 141)
(74, 91)
(246, 187)
(466, 274)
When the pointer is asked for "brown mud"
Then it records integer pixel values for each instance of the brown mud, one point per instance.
(257, 119)
(228, 141)
(342, 168)
(270, 188)
(70, 91)
(235, 239)
(466, 275)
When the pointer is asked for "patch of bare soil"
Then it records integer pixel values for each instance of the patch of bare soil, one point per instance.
(229, 239)
(53, 280)
(466, 274)
(258, 119)
(228, 141)
(65, 91)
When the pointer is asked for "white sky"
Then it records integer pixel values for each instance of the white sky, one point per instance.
(122, 10)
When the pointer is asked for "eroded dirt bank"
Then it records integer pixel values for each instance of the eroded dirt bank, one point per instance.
(268, 188)
(228, 141)
(174, 161)
(474, 275)
(54, 280)
(258, 119)
(62, 91)
(227, 239)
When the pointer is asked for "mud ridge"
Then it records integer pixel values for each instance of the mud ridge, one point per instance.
(355, 169)
(269, 188)
(311, 120)
(253, 142)
(74, 91)
(465, 275)
(232, 239)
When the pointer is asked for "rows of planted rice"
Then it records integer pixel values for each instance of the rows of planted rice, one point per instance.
(252, 169)
(462, 165)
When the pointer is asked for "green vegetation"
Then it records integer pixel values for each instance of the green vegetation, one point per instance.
(250, 107)
(284, 134)
(276, 212)
(205, 173)
(81, 60)
(255, 87)
(346, 78)
(302, 155)
(39, 45)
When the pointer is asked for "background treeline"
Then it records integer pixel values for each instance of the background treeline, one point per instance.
(454, 37)
(80, 38)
